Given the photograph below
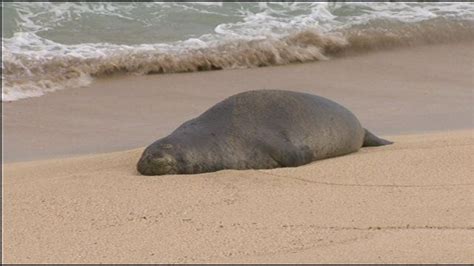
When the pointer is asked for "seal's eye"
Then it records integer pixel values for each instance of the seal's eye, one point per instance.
(166, 146)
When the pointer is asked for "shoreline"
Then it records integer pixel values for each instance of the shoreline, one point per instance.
(407, 135)
(412, 90)
(79, 198)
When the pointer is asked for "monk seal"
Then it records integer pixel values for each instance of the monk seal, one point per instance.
(258, 129)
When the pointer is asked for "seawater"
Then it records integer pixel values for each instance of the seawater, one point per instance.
(49, 46)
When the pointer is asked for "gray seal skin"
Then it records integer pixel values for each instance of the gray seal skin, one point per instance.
(258, 129)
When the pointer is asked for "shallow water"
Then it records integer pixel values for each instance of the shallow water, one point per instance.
(51, 46)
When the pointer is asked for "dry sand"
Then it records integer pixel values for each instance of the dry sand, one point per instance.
(407, 202)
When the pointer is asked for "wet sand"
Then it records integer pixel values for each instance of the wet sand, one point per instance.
(402, 91)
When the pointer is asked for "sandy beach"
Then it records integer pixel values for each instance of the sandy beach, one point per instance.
(71, 193)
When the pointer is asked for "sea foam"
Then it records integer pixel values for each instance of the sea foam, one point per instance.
(40, 56)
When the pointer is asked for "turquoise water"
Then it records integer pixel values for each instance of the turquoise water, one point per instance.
(51, 46)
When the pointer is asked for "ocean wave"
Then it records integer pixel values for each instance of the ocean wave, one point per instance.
(33, 64)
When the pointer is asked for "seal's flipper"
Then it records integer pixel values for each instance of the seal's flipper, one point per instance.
(371, 140)
(284, 153)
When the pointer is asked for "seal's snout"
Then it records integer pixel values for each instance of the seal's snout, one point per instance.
(151, 165)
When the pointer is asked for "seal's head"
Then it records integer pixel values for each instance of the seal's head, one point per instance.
(157, 160)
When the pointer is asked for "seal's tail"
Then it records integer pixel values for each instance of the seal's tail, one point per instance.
(371, 140)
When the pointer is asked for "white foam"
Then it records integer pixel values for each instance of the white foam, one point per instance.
(28, 89)
(33, 65)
